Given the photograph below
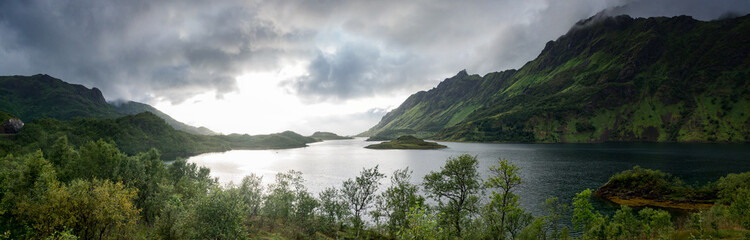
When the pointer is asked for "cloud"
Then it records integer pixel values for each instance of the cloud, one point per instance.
(352, 70)
(698, 9)
(348, 124)
(137, 49)
(173, 49)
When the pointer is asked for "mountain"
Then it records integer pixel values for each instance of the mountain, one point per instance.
(42, 96)
(131, 108)
(139, 133)
(328, 136)
(608, 79)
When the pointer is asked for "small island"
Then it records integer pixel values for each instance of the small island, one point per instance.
(406, 142)
(328, 136)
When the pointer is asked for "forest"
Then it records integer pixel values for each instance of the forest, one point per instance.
(94, 191)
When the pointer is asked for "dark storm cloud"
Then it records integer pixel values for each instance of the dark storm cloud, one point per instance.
(133, 49)
(174, 49)
(699, 9)
(354, 70)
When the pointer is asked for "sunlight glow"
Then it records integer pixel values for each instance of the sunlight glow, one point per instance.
(262, 106)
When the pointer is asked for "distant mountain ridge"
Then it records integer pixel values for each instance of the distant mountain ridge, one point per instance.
(608, 79)
(53, 109)
(328, 136)
(132, 108)
(138, 133)
(42, 96)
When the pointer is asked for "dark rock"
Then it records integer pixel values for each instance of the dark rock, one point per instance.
(11, 126)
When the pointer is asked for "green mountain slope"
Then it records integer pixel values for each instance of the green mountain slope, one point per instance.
(42, 96)
(611, 79)
(131, 108)
(139, 133)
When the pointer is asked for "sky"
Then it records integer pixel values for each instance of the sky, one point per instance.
(265, 66)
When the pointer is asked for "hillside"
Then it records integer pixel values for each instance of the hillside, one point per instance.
(131, 108)
(328, 136)
(139, 133)
(608, 79)
(42, 96)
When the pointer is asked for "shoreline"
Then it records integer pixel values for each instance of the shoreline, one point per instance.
(642, 202)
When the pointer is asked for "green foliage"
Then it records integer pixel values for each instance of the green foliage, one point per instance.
(5, 116)
(333, 210)
(140, 133)
(399, 199)
(359, 193)
(548, 226)
(220, 215)
(503, 214)
(638, 179)
(583, 211)
(655, 185)
(102, 208)
(133, 108)
(421, 225)
(406, 142)
(41, 96)
(251, 194)
(740, 207)
(139, 197)
(455, 187)
(730, 185)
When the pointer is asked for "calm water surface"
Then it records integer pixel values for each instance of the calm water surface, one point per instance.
(547, 170)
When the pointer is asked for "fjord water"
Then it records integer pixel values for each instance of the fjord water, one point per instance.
(547, 170)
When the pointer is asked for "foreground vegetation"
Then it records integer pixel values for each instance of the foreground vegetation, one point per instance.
(94, 191)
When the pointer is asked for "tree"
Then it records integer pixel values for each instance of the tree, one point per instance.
(102, 208)
(332, 209)
(45, 206)
(504, 213)
(399, 199)
(555, 211)
(171, 223)
(455, 188)
(98, 160)
(220, 215)
(740, 207)
(251, 193)
(421, 225)
(280, 201)
(145, 172)
(61, 155)
(189, 180)
(583, 211)
(360, 192)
